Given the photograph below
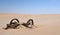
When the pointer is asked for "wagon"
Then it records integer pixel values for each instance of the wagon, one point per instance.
(14, 23)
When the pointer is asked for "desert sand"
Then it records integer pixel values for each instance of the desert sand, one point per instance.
(45, 24)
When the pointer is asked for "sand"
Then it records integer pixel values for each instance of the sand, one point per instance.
(46, 24)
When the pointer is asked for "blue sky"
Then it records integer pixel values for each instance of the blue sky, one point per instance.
(30, 6)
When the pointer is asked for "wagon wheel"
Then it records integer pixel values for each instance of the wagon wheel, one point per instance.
(30, 23)
(13, 24)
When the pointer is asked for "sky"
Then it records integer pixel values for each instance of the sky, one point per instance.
(30, 6)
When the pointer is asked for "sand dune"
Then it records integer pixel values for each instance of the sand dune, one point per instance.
(47, 24)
